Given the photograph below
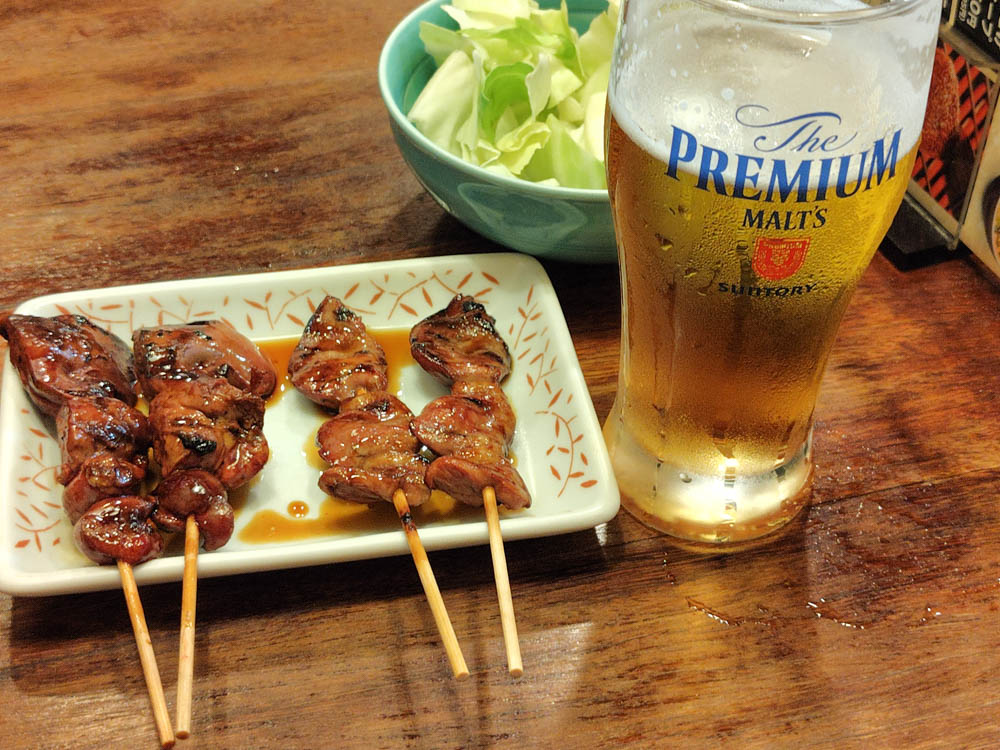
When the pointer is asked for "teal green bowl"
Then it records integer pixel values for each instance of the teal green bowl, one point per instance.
(569, 224)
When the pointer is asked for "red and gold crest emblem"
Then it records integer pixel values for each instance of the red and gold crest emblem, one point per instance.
(776, 259)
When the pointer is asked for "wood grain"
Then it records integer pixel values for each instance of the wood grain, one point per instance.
(143, 141)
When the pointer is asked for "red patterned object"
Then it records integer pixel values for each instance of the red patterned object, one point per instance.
(955, 127)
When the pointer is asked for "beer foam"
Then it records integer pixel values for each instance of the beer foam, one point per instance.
(744, 85)
(807, 6)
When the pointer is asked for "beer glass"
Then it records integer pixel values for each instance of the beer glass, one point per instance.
(756, 154)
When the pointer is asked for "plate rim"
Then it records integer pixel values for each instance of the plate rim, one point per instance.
(21, 582)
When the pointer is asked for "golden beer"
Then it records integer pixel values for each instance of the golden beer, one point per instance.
(737, 262)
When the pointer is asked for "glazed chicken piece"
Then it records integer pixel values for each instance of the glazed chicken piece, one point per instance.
(207, 382)
(470, 429)
(368, 444)
(197, 492)
(205, 348)
(104, 444)
(372, 452)
(82, 375)
(459, 343)
(87, 427)
(65, 356)
(100, 477)
(208, 424)
(465, 480)
(475, 420)
(119, 528)
(336, 357)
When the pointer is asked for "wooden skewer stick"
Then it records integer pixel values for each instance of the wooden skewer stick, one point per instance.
(444, 627)
(146, 656)
(189, 596)
(503, 584)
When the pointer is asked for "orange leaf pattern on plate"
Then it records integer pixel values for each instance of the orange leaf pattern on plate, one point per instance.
(35, 514)
(530, 343)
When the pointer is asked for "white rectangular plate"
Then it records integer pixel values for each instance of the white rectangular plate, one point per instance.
(557, 444)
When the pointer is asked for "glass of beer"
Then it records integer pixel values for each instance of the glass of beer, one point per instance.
(757, 152)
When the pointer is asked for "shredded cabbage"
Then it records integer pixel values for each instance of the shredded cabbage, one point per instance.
(518, 91)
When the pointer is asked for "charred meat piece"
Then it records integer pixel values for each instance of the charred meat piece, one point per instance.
(68, 356)
(119, 528)
(211, 425)
(465, 481)
(372, 452)
(460, 342)
(200, 493)
(101, 476)
(205, 348)
(90, 427)
(336, 357)
(104, 444)
(82, 375)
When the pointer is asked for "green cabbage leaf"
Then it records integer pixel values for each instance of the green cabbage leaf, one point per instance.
(519, 91)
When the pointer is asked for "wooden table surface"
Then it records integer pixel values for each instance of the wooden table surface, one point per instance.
(143, 141)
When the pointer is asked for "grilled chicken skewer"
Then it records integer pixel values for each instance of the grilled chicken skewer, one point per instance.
(471, 429)
(372, 453)
(82, 375)
(206, 383)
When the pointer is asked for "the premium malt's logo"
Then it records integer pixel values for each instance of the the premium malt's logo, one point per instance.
(777, 258)
(826, 171)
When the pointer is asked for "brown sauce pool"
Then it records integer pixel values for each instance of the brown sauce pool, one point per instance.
(395, 342)
(341, 517)
(335, 516)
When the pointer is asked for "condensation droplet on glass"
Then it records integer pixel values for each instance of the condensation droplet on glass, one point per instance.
(686, 478)
(673, 72)
(727, 94)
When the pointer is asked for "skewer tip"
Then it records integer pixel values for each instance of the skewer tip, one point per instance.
(147, 658)
(431, 590)
(185, 661)
(504, 597)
